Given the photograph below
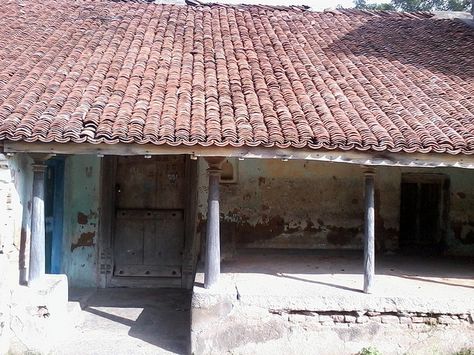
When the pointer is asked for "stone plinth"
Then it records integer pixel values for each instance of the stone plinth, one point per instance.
(222, 323)
(297, 304)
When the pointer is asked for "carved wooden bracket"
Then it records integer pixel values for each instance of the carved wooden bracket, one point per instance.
(215, 164)
(40, 158)
(368, 170)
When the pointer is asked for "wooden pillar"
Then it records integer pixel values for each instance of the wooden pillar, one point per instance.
(213, 248)
(369, 234)
(37, 244)
(37, 241)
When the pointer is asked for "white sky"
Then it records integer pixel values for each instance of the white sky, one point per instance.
(317, 5)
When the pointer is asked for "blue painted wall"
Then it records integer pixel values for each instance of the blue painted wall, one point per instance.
(81, 219)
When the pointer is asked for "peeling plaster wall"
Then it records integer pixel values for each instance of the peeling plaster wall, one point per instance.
(294, 204)
(460, 238)
(387, 207)
(21, 192)
(302, 204)
(81, 224)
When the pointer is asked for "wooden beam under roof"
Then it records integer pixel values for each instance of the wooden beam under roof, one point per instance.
(422, 160)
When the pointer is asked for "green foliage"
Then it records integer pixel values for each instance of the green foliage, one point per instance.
(417, 5)
(362, 5)
(465, 351)
(369, 351)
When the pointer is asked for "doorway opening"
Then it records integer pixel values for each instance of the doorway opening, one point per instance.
(424, 213)
(53, 208)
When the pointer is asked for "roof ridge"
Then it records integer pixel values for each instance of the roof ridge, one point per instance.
(246, 6)
(383, 13)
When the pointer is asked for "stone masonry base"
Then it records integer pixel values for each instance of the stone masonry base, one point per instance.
(223, 324)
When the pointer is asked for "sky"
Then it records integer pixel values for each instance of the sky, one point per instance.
(317, 5)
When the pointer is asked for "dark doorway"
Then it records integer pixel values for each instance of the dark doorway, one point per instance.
(54, 205)
(423, 213)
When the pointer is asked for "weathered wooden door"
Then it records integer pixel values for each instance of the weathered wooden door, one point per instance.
(149, 218)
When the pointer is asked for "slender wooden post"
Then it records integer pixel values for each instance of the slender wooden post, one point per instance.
(37, 244)
(213, 248)
(369, 235)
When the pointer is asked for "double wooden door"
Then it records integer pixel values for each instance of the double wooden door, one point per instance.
(149, 216)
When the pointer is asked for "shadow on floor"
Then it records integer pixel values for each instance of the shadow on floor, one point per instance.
(448, 271)
(159, 317)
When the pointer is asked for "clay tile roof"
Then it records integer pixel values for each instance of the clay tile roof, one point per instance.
(105, 71)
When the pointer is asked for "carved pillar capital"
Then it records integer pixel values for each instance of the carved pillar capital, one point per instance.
(39, 167)
(368, 170)
(215, 165)
(40, 158)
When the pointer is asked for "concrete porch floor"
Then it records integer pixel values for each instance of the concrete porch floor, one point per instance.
(129, 321)
(332, 281)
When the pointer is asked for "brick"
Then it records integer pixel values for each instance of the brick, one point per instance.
(404, 314)
(362, 319)
(447, 320)
(350, 319)
(296, 318)
(418, 319)
(312, 318)
(404, 320)
(373, 314)
(390, 320)
(418, 326)
(339, 318)
(325, 318)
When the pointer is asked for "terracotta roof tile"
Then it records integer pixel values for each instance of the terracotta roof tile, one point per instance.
(105, 71)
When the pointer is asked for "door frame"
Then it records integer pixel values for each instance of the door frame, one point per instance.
(107, 225)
